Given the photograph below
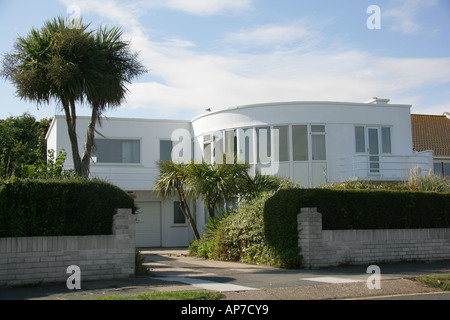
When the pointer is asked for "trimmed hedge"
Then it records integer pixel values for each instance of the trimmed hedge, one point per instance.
(59, 207)
(352, 209)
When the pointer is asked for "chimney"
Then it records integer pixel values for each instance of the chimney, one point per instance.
(376, 100)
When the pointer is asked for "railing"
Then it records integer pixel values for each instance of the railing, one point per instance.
(384, 167)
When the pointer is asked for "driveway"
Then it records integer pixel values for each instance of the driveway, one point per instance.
(259, 282)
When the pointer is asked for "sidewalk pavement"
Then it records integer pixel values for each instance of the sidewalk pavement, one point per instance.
(136, 285)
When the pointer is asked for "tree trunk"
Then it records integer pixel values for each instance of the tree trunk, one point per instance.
(71, 120)
(187, 213)
(89, 144)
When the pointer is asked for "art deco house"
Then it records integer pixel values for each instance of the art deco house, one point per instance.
(311, 142)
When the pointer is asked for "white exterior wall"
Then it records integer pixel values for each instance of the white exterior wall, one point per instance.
(137, 179)
(339, 119)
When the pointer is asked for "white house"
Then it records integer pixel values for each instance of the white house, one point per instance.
(310, 142)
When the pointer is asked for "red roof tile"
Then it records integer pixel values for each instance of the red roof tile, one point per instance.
(431, 132)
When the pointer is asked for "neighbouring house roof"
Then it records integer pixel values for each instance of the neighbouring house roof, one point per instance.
(431, 132)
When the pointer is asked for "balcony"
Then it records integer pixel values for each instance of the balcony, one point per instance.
(383, 167)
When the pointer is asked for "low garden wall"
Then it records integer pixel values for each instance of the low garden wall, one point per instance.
(323, 248)
(33, 260)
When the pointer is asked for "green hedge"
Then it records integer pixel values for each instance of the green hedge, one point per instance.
(59, 207)
(352, 209)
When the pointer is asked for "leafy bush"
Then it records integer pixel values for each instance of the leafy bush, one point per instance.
(240, 236)
(59, 207)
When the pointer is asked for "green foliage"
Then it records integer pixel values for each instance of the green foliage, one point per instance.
(22, 145)
(59, 207)
(139, 268)
(73, 65)
(240, 236)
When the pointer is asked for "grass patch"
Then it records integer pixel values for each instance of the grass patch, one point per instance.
(437, 281)
(169, 295)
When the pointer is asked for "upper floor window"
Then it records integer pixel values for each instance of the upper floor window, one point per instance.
(318, 146)
(382, 134)
(117, 151)
(165, 150)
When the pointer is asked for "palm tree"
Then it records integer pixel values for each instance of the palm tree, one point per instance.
(116, 67)
(174, 181)
(72, 65)
(216, 183)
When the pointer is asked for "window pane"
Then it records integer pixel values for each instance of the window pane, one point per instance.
(360, 139)
(230, 145)
(218, 147)
(263, 144)
(386, 140)
(246, 145)
(283, 143)
(178, 216)
(318, 147)
(165, 150)
(117, 151)
(317, 128)
(207, 148)
(300, 142)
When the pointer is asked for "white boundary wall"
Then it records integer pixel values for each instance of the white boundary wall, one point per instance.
(324, 248)
(33, 260)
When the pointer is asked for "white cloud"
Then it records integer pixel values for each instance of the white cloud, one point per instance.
(208, 7)
(403, 17)
(273, 36)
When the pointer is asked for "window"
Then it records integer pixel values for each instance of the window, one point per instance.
(207, 148)
(117, 151)
(442, 168)
(300, 142)
(360, 139)
(386, 140)
(318, 142)
(178, 216)
(230, 145)
(283, 142)
(165, 150)
(263, 138)
(218, 147)
(245, 137)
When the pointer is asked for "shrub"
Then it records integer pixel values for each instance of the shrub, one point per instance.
(59, 207)
(240, 236)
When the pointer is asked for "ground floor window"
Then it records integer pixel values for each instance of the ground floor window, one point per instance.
(442, 168)
(178, 216)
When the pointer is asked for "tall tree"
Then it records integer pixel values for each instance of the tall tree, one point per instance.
(72, 65)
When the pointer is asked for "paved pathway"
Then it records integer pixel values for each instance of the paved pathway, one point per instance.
(172, 269)
(256, 282)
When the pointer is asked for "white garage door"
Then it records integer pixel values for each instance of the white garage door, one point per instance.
(148, 226)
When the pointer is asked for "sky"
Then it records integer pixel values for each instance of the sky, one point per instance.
(224, 53)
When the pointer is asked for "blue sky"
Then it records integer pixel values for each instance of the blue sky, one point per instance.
(222, 53)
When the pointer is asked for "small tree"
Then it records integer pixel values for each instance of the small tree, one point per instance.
(174, 181)
(217, 183)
